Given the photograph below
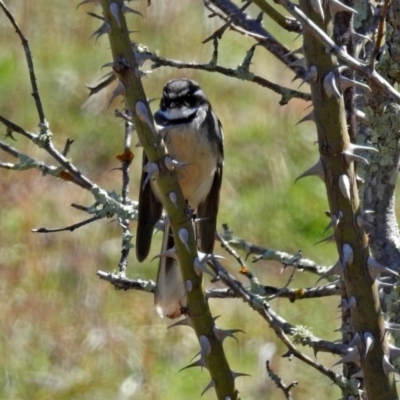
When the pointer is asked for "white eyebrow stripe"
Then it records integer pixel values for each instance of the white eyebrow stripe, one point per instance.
(199, 92)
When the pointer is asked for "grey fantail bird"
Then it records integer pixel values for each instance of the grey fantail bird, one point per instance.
(193, 136)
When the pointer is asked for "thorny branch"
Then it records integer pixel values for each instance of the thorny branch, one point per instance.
(283, 329)
(261, 35)
(256, 300)
(364, 70)
(44, 141)
(229, 21)
(280, 383)
(262, 253)
(68, 171)
(286, 93)
(236, 289)
(126, 159)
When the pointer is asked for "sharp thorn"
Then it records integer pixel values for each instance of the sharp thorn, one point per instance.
(387, 366)
(182, 322)
(347, 255)
(330, 86)
(209, 386)
(344, 186)
(369, 342)
(316, 170)
(353, 356)
(317, 7)
(336, 6)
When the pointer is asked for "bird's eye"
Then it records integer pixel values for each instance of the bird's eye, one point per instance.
(190, 99)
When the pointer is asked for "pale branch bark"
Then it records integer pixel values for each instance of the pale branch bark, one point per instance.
(25, 162)
(126, 158)
(44, 140)
(121, 282)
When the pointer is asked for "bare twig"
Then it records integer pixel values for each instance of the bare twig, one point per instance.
(67, 147)
(103, 84)
(230, 20)
(15, 128)
(83, 208)
(70, 228)
(35, 91)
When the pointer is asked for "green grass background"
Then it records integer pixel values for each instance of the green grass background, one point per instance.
(67, 335)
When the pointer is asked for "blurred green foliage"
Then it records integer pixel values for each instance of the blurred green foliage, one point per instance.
(64, 333)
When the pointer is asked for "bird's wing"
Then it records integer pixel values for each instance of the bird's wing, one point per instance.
(150, 211)
(207, 213)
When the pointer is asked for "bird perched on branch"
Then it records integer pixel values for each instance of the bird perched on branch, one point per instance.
(193, 136)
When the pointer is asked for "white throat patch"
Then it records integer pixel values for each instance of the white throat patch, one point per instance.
(178, 113)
